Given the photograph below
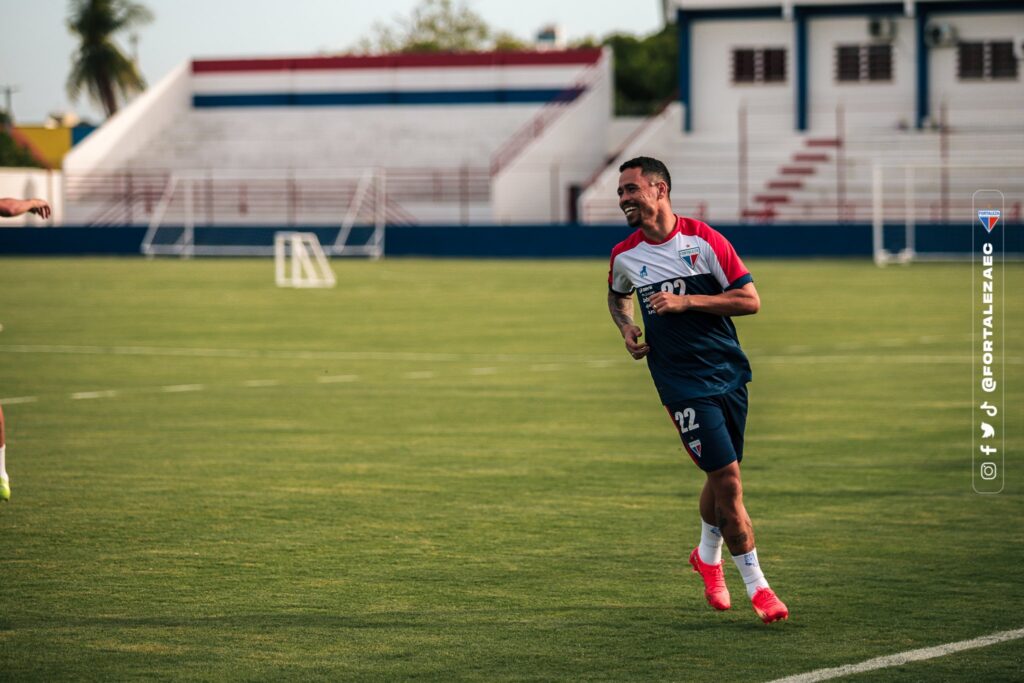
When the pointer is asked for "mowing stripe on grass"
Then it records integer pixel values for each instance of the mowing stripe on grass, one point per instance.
(903, 658)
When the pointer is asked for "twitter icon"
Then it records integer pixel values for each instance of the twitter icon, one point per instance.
(987, 430)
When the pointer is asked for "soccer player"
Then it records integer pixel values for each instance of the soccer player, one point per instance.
(690, 282)
(8, 209)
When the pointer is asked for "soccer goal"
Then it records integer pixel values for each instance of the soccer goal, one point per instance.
(923, 212)
(299, 261)
(236, 213)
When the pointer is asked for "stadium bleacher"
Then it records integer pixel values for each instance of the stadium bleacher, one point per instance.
(445, 130)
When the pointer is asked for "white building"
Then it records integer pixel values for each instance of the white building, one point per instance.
(787, 107)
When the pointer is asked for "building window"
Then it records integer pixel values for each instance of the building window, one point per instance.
(863, 63)
(759, 65)
(986, 60)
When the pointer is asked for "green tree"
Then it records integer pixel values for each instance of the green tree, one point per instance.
(646, 71)
(98, 66)
(14, 155)
(438, 26)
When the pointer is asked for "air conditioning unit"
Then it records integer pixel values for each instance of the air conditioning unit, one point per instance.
(882, 28)
(937, 34)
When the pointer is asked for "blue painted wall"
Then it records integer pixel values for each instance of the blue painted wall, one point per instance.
(523, 241)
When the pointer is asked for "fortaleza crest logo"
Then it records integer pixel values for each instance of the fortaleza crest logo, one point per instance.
(988, 218)
(690, 255)
(695, 447)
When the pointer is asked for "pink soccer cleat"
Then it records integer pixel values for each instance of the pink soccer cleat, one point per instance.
(768, 606)
(714, 582)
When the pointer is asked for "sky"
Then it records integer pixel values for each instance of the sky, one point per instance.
(36, 48)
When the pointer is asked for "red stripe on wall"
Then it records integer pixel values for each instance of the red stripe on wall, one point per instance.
(410, 61)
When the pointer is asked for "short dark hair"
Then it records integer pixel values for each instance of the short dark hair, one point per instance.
(651, 168)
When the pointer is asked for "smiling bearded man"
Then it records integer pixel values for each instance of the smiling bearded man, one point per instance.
(690, 281)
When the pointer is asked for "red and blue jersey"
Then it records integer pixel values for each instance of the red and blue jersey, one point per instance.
(692, 354)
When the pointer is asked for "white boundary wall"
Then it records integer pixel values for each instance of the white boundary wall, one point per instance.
(33, 183)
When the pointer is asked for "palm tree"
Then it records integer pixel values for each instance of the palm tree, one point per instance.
(99, 66)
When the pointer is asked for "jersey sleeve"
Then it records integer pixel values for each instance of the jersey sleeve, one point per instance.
(726, 264)
(618, 278)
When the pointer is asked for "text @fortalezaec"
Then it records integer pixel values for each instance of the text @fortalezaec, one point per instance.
(988, 381)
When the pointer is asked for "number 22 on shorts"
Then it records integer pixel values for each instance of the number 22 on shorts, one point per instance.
(687, 419)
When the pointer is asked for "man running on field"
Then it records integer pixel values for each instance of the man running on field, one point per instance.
(690, 281)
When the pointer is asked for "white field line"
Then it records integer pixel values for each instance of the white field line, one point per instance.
(337, 379)
(903, 657)
(905, 358)
(420, 374)
(196, 352)
(82, 395)
(181, 388)
(279, 355)
(13, 400)
(546, 367)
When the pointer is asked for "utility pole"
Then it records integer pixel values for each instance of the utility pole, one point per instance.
(8, 91)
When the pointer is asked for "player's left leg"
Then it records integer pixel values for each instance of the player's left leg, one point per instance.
(5, 483)
(701, 428)
(731, 515)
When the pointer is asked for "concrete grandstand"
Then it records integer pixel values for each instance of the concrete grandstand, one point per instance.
(495, 137)
(792, 111)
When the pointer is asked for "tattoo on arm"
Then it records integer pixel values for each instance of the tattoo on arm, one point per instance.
(621, 308)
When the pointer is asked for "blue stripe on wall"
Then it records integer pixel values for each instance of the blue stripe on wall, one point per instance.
(518, 241)
(388, 98)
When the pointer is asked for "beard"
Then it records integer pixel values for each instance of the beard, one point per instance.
(636, 218)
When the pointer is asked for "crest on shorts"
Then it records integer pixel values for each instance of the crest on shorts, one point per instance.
(694, 447)
(690, 255)
(988, 218)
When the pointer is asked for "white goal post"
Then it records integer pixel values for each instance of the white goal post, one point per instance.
(227, 213)
(299, 261)
(939, 196)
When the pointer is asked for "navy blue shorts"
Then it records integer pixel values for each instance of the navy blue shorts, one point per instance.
(711, 428)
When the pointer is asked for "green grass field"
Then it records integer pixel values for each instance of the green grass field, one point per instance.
(452, 470)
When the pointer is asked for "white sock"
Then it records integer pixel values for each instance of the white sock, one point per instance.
(751, 571)
(710, 548)
(3, 464)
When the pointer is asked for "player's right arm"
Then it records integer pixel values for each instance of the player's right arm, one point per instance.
(15, 207)
(621, 308)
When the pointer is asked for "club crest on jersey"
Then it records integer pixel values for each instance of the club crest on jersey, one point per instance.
(695, 447)
(988, 218)
(643, 271)
(690, 255)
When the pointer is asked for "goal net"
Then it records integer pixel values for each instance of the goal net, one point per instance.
(299, 261)
(236, 213)
(923, 212)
